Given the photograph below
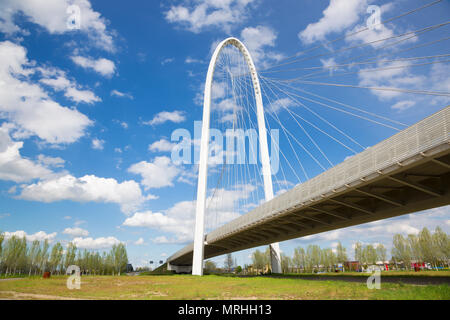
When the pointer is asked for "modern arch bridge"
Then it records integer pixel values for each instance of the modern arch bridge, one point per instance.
(406, 173)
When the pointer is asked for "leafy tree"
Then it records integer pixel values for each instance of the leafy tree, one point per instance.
(314, 255)
(33, 255)
(358, 252)
(299, 258)
(71, 253)
(381, 252)
(210, 266)
(426, 246)
(341, 253)
(43, 256)
(328, 259)
(259, 260)
(414, 247)
(401, 251)
(229, 263)
(370, 254)
(55, 257)
(441, 245)
(120, 258)
(285, 263)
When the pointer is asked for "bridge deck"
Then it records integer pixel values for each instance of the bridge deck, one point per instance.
(405, 173)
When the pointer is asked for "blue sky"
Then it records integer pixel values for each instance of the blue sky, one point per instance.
(86, 114)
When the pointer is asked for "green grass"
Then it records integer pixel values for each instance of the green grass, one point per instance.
(212, 287)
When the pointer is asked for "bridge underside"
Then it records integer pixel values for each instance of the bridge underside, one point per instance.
(425, 184)
(406, 173)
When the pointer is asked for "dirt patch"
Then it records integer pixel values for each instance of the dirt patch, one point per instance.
(33, 296)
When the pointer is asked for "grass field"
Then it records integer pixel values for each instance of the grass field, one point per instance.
(212, 287)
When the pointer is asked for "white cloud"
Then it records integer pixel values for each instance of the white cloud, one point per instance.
(281, 104)
(98, 243)
(257, 40)
(166, 116)
(29, 107)
(98, 144)
(52, 16)
(86, 189)
(199, 15)
(181, 227)
(190, 60)
(85, 96)
(57, 80)
(139, 242)
(13, 166)
(380, 31)
(117, 93)
(76, 232)
(56, 162)
(395, 75)
(151, 172)
(162, 145)
(59, 83)
(40, 236)
(167, 60)
(102, 66)
(403, 105)
(338, 16)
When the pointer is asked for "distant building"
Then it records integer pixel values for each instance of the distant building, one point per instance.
(352, 266)
(129, 267)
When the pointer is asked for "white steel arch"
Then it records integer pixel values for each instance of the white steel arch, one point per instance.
(199, 237)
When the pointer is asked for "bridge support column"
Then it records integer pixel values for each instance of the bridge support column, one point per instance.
(275, 257)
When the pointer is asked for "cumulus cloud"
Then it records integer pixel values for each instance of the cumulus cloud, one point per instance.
(98, 243)
(281, 104)
(198, 15)
(98, 144)
(85, 96)
(151, 172)
(86, 189)
(162, 145)
(40, 236)
(102, 66)
(52, 15)
(394, 74)
(76, 232)
(57, 80)
(258, 40)
(13, 166)
(56, 162)
(338, 16)
(166, 116)
(29, 106)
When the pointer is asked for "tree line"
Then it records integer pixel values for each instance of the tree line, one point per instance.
(425, 247)
(18, 256)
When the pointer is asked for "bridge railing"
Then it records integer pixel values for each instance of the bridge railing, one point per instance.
(422, 136)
